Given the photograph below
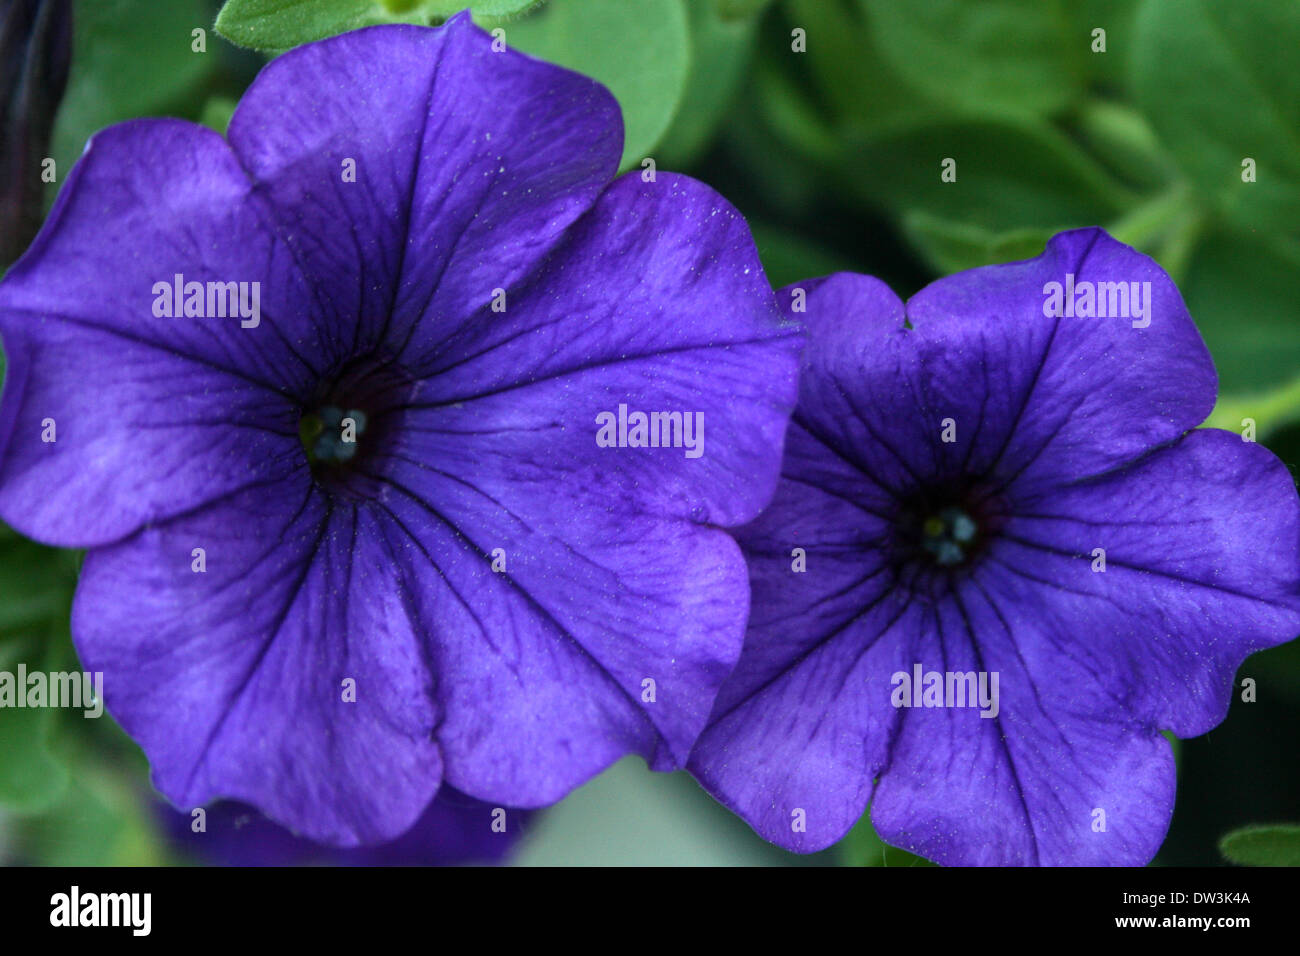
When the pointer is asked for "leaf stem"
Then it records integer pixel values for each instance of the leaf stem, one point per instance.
(1269, 410)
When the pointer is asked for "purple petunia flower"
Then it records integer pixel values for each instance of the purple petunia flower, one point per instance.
(330, 404)
(997, 566)
(454, 829)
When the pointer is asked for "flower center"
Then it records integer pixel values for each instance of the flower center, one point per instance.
(948, 536)
(944, 528)
(350, 422)
(330, 434)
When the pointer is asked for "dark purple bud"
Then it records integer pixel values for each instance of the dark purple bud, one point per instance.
(35, 48)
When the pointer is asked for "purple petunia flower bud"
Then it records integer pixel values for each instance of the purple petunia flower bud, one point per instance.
(401, 438)
(1002, 559)
(35, 50)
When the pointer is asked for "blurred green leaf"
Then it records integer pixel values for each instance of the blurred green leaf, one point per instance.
(217, 112)
(955, 246)
(789, 258)
(1108, 70)
(857, 83)
(1210, 78)
(629, 816)
(31, 776)
(783, 169)
(738, 9)
(1263, 845)
(101, 819)
(1010, 174)
(721, 51)
(641, 51)
(36, 584)
(862, 847)
(785, 108)
(1270, 411)
(1020, 56)
(130, 58)
(1123, 138)
(1242, 290)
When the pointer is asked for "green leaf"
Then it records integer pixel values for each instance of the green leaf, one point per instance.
(862, 90)
(721, 52)
(1010, 174)
(483, 9)
(862, 847)
(1018, 56)
(1216, 83)
(1242, 289)
(641, 51)
(274, 26)
(130, 58)
(1108, 70)
(1270, 411)
(36, 584)
(281, 24)
(738, 9)
(1123, 138)
(31, 776)
(790, 258)
(956, 246)
(1277, 845)
(217, 113)
(628, 816)
(102, 819)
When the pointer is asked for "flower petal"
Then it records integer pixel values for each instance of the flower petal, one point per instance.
(803, 725)
(233, 679)
(563, 640)
(105, 401)
(1023, 785)
(416, 171)
(656, 301)
(454, 829)
(1040, 399)
(614, 573)
(1202, 568)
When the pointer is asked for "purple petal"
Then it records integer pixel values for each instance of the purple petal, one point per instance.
(233, 679)
(1057, 774)
(1038, 400)
(454, 829)
(1201, 540)
(656, 300)
(469, 165)
(151, 415)
(613, 574)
